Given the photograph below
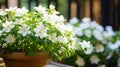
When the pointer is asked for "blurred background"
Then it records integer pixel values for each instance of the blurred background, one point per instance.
(104, 12)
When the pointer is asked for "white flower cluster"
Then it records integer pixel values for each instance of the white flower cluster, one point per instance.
(21, 29)
(89, 28)
(99, 40)
(40, 30)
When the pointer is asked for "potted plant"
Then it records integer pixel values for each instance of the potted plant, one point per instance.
(27, 35)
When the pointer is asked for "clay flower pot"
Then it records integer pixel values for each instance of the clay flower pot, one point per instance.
(18, 59)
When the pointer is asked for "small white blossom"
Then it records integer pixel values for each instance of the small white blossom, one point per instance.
(94, 59)
(113, 46)
(98, 35)
(85, 44)
(52, 7)
(74, 20)
(20, 11)
(10, 38)
(88, 33)
(80, 61)
(11, 9)
(89, 50)
(4, 45)
(40, 9)
(52, 37)
(118, 42)
(78, 31)
(99, 48)
(73, 46)
(18, 21)
(96, 26)
(108, 28)
(50, 18)
(74, 43)
(108, 34)
(40, 31)
(103, 65)
(2, 13)
(118, 62)
(61, 28)
(57, 19)
(62, 39)
(84, 25)
(85, 19)
(24, 30)
(68, 28)
(60, 19)
(7, 26)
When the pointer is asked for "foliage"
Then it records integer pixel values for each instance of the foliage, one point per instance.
(42, 30)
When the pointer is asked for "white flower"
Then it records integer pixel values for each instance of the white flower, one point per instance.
(57, 19)
(118, 62)
(4, 45)
(113, 46)
(60, 19)
(99, 48)
(62, 39)
(2, 13)
(73, 46)
(0, 32)
(24, 30)
(98, 35)
(78, 31)
(52, 37)
(118, 42)
(80, 61)
(68, 27)
(20, 12)
(89, 50)
(84, 25)
(52, 7)
(40, 31)
(103, 65)
(11, 9)
(74, 43)
(85, 44)
(18, 21)
(96, 26)
(108, 34)
(7, 26)
(50, 18)
(74, 20)
(88, 33)
(61, 28)
(40, 9)
(85, 19)
(94, 59)
(10, 38)
(108, 28)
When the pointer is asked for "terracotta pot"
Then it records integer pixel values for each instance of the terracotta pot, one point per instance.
(17, 59)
